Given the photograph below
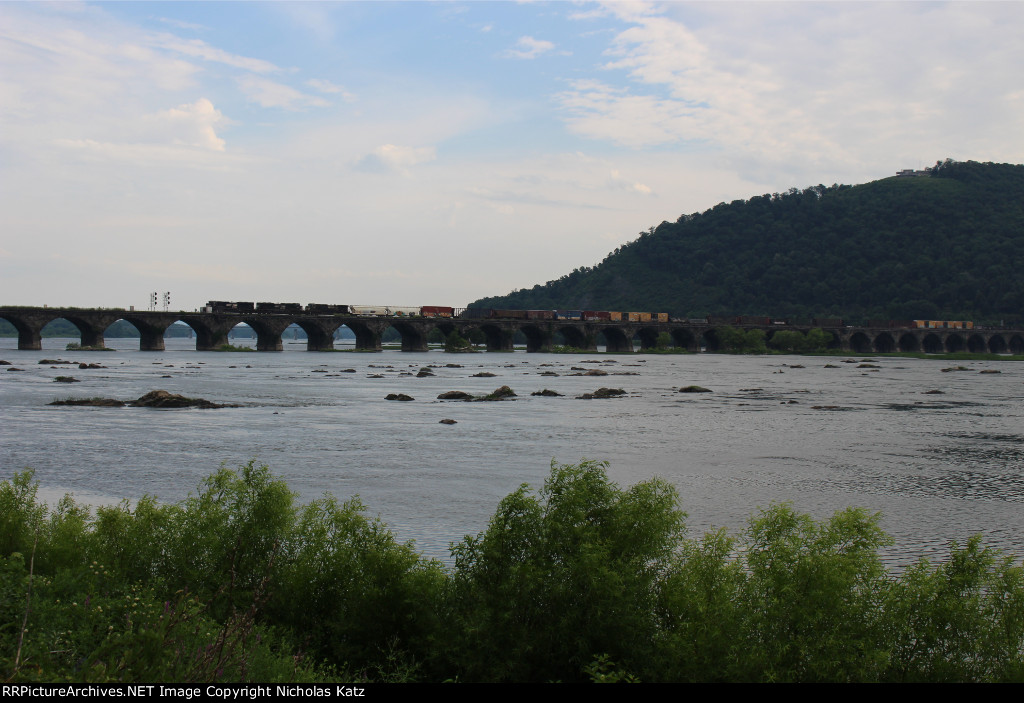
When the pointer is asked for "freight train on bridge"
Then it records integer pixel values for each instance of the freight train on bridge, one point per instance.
(586, 330)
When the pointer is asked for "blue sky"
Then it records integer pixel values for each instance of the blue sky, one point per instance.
(433, 153)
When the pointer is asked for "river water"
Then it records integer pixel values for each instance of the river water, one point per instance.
(939, 467)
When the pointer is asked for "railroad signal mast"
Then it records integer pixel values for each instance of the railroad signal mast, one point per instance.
(167, 301)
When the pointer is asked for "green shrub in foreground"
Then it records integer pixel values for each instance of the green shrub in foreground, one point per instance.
(562, 577)
(582, 580)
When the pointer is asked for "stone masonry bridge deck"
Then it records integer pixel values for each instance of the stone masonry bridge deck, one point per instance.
(211, 331)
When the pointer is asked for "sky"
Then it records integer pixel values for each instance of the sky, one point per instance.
(432, 153)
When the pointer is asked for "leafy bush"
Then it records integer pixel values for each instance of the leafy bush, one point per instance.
(581, 581)
(565, 576)
(733, 339)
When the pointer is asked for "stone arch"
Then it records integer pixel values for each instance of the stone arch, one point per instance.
(319, 332)
(954, 343)
(710, 340)
(976, 344)
(268, 330)
(414, 338)
(684, 338)
(211, 333)
(367, 334)
(884, 343)
(932, 344)
(444, 326)
(648, 337)
(996, 344)
(860, 342)
(576, 337)
(616, 340)
(240, 332)
(151, 331)
(107, 330)
(29, 335)
(498, 338)
(537, 338)
(1016, 344)
(90, 327)
(908, 342)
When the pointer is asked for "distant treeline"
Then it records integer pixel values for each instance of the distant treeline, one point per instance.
(581, 581)
(947, 246)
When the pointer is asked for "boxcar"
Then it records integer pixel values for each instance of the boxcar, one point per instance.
(436, 311)
(540, 314)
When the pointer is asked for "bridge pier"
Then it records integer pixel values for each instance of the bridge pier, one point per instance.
(412, 343)
(151, 341)
(30, 339)
(151, 333)
(211, 340)
(92, 337)
(319, 340)
(269, 341)
(501, 342)
(268, 332)
(538, 340)
(211, 330)
(368, 340)
(414, 335)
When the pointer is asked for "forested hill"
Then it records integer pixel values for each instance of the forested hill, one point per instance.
(946, 246)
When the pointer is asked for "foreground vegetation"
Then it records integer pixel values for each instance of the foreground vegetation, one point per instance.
(582, 580)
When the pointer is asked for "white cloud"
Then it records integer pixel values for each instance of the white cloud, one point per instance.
(185, 136)
(399, 159)
(329, 88)
(810, 86)
(184, 25)
(268, 93)
(529, 48)
(617, 181)
(192, 125)
(200, 49)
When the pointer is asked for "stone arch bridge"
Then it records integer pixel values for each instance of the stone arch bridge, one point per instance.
(211, 331)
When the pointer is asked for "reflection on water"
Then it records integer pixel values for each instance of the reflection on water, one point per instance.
(825, 436)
